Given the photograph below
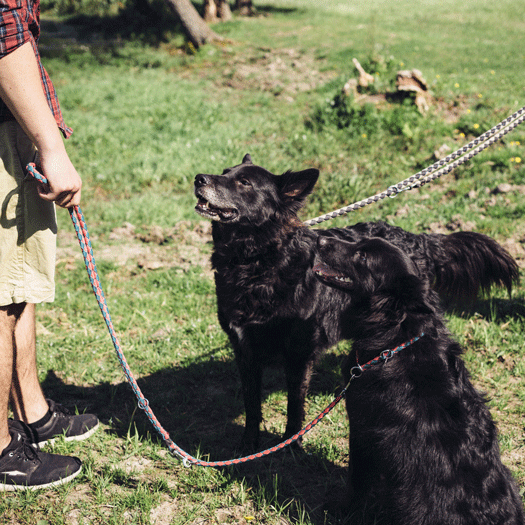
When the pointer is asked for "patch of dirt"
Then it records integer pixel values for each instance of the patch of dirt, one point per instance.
(451, 112)
(149, 248)
(516, 249)
(234, 514)
(164, 513)
(456, 224)
(168, 509)
(134, 465)
(283, 72)
(80, 492)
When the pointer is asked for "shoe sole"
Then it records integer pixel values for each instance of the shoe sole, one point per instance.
(81, 437)
(4, 487)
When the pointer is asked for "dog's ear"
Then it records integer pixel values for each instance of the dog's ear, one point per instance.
(296, 186)
(247, 159)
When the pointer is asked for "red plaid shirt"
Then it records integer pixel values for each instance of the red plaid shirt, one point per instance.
(20, 23)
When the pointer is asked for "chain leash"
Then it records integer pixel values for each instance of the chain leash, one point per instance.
(442, 167)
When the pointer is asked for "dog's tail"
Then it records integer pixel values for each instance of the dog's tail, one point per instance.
(472, 264)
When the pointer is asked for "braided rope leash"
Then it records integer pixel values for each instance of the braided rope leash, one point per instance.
(81, 230)
(442, 167)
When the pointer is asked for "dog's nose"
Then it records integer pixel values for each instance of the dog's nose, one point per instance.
(201, 180)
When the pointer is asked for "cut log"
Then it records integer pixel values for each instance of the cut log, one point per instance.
(364, 78)
(413, 81)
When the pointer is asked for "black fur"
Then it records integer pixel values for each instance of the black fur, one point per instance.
(270, 303)
(423, 446)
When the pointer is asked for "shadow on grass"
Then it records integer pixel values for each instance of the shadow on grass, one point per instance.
(151, 23)
(200, 406)
(99, 40)
(494, 309)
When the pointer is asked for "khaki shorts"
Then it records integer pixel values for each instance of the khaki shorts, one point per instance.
(27, 225)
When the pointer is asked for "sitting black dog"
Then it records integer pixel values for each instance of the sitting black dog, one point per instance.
(423, 446)
(270, 303)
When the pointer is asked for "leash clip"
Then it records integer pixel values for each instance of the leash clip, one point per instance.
(178, 455)
(386, 355)
(355, 372)
(396, 190)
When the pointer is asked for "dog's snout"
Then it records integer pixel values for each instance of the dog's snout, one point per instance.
(201, 180)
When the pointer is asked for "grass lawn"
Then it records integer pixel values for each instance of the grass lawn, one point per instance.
(147, 118)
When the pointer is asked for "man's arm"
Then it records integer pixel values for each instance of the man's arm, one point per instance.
(21, 90)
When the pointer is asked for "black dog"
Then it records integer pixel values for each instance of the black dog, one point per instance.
(423, 445)
(270, 303)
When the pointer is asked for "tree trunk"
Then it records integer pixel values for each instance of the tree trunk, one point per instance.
(194, 26)
(244, 7)
(224, 10)
(216, 10)
(210, 11)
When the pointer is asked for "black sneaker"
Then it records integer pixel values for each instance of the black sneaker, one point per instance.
(23, 467)
(56, 423)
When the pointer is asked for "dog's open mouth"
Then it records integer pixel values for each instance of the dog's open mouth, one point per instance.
(330, 276)
(205, 209)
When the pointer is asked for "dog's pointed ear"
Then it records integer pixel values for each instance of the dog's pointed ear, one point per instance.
(247, 159)
(296, 186)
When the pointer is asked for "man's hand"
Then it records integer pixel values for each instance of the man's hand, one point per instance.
(64, 183)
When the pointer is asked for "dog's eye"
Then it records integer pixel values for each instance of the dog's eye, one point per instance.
(244, 182)
(361, 256)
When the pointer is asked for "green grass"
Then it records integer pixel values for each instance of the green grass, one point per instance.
(148, 117)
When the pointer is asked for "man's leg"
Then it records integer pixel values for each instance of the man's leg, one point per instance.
(27, 399)
(7, 327)
(47, 421)
(23, 466)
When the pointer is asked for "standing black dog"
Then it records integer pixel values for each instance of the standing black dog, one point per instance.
(270, 303)
(423, 446)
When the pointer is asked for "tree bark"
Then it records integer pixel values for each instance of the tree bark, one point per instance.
(194, 26)
(244, 7)
(210, 11)
(216, 10)
(224, 10)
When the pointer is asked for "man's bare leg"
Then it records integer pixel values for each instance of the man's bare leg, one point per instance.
(23, 466)
(7, 327)
(27, 399)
